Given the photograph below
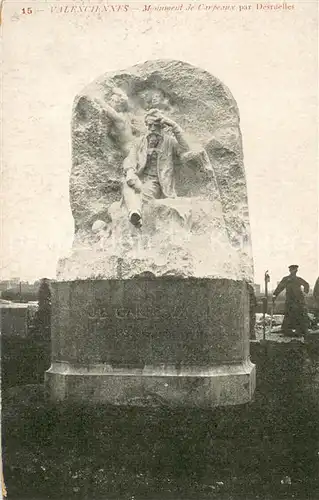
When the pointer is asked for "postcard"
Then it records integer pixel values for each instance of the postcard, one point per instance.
(159, 249)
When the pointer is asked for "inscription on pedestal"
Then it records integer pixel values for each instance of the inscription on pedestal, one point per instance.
(147, 321)
(100, 318)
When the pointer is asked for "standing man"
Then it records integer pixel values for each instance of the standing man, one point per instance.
(295, 307)
(149, 167)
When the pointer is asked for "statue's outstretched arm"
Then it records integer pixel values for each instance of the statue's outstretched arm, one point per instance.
(113, 115)
(120, 126)
(181, 142)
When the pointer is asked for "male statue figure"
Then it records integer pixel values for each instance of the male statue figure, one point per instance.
(149, 166)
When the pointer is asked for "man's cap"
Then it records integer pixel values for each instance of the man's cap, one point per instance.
(293, 266)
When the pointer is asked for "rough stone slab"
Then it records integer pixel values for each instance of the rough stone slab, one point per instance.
(181, 237)
(197, 100)
(207, 112)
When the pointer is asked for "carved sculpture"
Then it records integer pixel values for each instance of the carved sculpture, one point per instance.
(157, 183)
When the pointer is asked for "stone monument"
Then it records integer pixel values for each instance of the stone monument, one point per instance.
(151, 306)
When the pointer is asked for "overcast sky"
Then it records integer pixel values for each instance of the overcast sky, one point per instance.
(267, 59)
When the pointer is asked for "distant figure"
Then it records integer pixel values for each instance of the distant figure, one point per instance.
(252, 311)
(295, 307)
(44, 309)
(316, 292)
(316, 297)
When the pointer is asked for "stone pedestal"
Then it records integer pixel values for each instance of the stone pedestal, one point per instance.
(163, 341)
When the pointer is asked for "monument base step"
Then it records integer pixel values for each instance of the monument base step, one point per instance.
(166, 386)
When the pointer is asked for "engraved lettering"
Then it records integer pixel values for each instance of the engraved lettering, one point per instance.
(135, 313)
